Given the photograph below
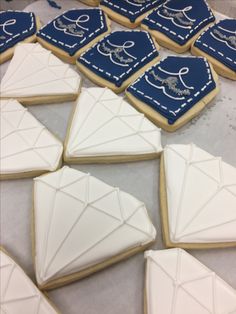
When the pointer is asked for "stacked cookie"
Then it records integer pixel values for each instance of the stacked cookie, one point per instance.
(81, 224)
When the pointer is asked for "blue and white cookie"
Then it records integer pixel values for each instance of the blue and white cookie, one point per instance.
(176, 24)
(15, 27)
(218, 45)
(73, 32)
(129, 13)
(174, 91)
(119, 58)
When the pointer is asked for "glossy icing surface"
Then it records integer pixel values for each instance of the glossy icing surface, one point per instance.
(25, 144)
(219, 41)
(74, 29)
(131, 9)
(176, 282)
(119, 55)
(174, 85)
(104, 124)
(180, 20)
(201, 196)
(68, 204)
(35, 71)
(18, 293)
(15, 26)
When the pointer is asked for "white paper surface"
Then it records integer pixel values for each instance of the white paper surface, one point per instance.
(118, 289)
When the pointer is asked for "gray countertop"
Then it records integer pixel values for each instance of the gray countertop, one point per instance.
(119, 289)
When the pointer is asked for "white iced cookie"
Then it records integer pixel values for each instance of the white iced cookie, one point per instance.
(36, 76)
(198, 198)
(176, 282)
(18, 293)
(27, 148)
(83, 225)
(105, 128)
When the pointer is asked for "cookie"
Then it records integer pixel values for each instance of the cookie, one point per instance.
(73, 32)
(18, 292)
(197, 199)
(129, 13)
(36, 76)
(27, 148)
(174, 91)
(105, 128)
(15, 27)
(176, 282)
(218, 45)
(176, 24)
(118, 59)
(83, 225)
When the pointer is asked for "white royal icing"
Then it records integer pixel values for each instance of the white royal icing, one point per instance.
(106, 125)
(68, 205)
(25, 144)
(18, 293)
(35, 71)
(201, 196)
(176, 282)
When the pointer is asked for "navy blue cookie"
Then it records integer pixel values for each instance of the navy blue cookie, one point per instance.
(173, 87)
(129, 12)
(175, 23)
(218, 43)
(15, 26)
(117, 58)
(73, 32)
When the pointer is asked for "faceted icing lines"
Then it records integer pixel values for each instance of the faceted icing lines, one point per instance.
(35, 71)
(26, 145)
(75, 204)
(18, 293)
(201, 196)
(104, 124)
(178, 283)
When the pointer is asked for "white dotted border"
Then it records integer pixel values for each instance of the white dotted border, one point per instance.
(210, 47)
(130, 69)
(109, 3)
(190, 32)
(189, 100)
(33, 23)
(102, 19)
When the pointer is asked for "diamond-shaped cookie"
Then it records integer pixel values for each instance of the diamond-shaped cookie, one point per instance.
(27, 147)
(198, 198)
(83, 225)
(18, 293)
(178, 283)
(105, 128)
(36, 76)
